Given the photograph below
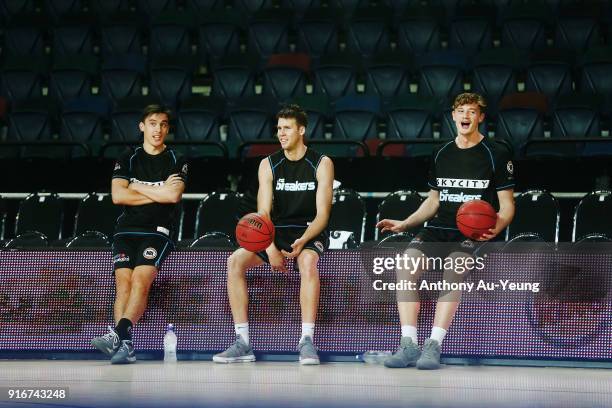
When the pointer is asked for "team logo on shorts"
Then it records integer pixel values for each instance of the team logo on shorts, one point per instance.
(149, 253)
(121, 258)
(319, 246)
(510, 167)
(416, 240)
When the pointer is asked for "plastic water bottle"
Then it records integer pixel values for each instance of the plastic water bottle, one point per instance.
(170, 345)
(374, 356)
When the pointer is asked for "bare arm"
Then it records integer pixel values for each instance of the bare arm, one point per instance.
(265, 193)
(505, 213)
(170, 192)
(325, 180)
(122, 195)
(425, 212)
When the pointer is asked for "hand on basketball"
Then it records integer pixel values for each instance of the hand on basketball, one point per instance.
(296, 247)
(493, 232)
(390, 225)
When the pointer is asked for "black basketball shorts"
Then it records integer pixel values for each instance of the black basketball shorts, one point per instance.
(430, 240)
(285, 236)
(132, 249)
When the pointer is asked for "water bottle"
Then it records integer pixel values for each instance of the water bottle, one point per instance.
(374, 356)
(170, 345)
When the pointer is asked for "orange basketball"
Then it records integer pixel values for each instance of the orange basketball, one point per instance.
(475, 218)
(254, 232)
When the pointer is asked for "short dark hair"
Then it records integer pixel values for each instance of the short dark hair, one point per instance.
(153, 109)
(293, 111)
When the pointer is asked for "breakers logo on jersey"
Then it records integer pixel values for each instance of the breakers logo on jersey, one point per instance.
(148, 183)
(458, 198)
(295, 186)
(463, 183)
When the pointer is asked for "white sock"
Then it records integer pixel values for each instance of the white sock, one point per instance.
(243, 330)
(410, 331)
(307, 330)
(437, 333)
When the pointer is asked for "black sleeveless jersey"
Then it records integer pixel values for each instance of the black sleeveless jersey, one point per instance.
(295, 188)
(462, 175)
(137, 166)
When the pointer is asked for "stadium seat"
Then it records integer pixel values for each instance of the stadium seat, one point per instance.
(154, 8)
(96, 212)
(520, 119)
(10, 9)
(253, 6)
(285, 75)
(121, 34)
(348, 7)
(170, 35)
(72, 77)
(268, 32)
(348, 213)
(317, 32)
(394, 240)
(84, 120)
(89, 239)
(537, 212)
(301, 6)
(171, 80)
(592, 215)
(577, 27)
(219, 33)
(471, 29)
(410, 117)
(122, 76)
(397, 206)
(595, 74)
(74, 35)
(27, 240)
(494, 74)
(368, 31)
(356, 117)
(549, 73)
(217, 212)
(388, 75)
(3, 216)
(419, 28)
(233, 77)
(57, 9)
(22, 78)
(251, 119)
(336, 75)
(199, 119)
(441, 73)
(524, 26)
(31, 121)
(25, 35)
(41, 213)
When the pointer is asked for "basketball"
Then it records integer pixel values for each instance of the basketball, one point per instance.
(475, 218)
(254, 232)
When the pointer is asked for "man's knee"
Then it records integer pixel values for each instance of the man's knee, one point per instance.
(459, 265)
(307, 264)
(238, 263)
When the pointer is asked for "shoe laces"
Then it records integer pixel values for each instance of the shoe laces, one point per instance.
(110, 335)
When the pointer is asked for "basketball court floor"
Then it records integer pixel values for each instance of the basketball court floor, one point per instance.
(286, 384)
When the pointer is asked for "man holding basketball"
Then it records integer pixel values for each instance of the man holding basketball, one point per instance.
(470, 167)
(295, 191)
(149, 182)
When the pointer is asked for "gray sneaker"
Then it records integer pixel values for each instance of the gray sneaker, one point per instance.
(308, 352)
(238, 352)
(109, 343)
(125, 354)
(406, 355)
(430, 359)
